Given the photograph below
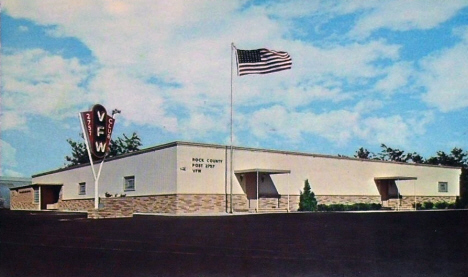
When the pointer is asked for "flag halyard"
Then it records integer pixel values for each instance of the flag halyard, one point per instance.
(262, 61)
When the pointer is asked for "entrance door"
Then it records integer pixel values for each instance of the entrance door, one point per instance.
(49, 196)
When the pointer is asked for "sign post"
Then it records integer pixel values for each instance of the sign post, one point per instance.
(97, 128)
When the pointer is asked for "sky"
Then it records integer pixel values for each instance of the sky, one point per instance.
(364, 73)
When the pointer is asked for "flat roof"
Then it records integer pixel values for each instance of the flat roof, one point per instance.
(196, 144)
(36, 184)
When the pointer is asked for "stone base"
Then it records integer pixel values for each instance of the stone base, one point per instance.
(23, 199)
(201, 203)
(113, 208)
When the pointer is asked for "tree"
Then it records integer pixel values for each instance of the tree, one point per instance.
(363, 153)
(456, 157)
(117, 147)
(125, 145)
(391, 154)
(307, 201)
(79, 153)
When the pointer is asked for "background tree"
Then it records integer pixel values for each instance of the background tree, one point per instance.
(363, 153)
(393, 154)
(79, 153)
(119, 146)
(125, 145)
(307, 201)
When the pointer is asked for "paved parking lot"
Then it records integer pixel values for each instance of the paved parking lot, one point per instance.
(309, 244)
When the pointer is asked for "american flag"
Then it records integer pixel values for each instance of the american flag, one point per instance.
(262, 61)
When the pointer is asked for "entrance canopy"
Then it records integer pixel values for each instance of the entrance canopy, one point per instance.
(262, 170)
(395, 178)
(388, 188)
(251, 177)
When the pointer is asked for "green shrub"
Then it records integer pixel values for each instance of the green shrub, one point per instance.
(428, 205)
(418, 206)
(452, 205)
(307, 201)
(350, 207)
(441, 205)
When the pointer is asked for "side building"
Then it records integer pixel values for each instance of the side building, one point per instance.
(184, 177)
(6, 183)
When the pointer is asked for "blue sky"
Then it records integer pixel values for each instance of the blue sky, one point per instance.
(364, 73)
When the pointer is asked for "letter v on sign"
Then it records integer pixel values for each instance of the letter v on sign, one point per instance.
(101, 115)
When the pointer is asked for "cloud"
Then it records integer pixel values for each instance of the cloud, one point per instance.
(335, 126)
(167, 64)
(444, 78)
(23, 28)
(8, 159)
(397, 76)
(404, 15)
(36, 82)
(338, 126)
(13, 120)
(139, 101)
(373, 15)
(368, 105)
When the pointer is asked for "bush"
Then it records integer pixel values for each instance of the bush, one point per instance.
(418, 206)
(428, 205)
(351, 207)
(441, 205)
(452, 205)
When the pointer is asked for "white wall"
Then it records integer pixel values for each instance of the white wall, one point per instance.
(334, 176)
(154, 174)
(176, 169)
(205, 169)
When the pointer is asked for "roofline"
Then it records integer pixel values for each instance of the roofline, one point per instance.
(15, 179)
(209, 145)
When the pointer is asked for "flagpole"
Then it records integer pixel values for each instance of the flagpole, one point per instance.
(231, 173)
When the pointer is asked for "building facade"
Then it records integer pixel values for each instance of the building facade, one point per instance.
(183, 177)
(6, 183)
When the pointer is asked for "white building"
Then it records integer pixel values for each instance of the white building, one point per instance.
(182, 177)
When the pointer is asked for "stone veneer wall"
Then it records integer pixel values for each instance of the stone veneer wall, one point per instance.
(113, 208)
(346, 199)
(200, 203)
(77, 205)
(193, 203)
(240, 202)
(23, 199)
(155, 204)
(409, 200)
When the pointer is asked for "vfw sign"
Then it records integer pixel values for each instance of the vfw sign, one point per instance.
(98, 126)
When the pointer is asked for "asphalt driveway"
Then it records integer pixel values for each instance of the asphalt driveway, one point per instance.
(309, 244)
